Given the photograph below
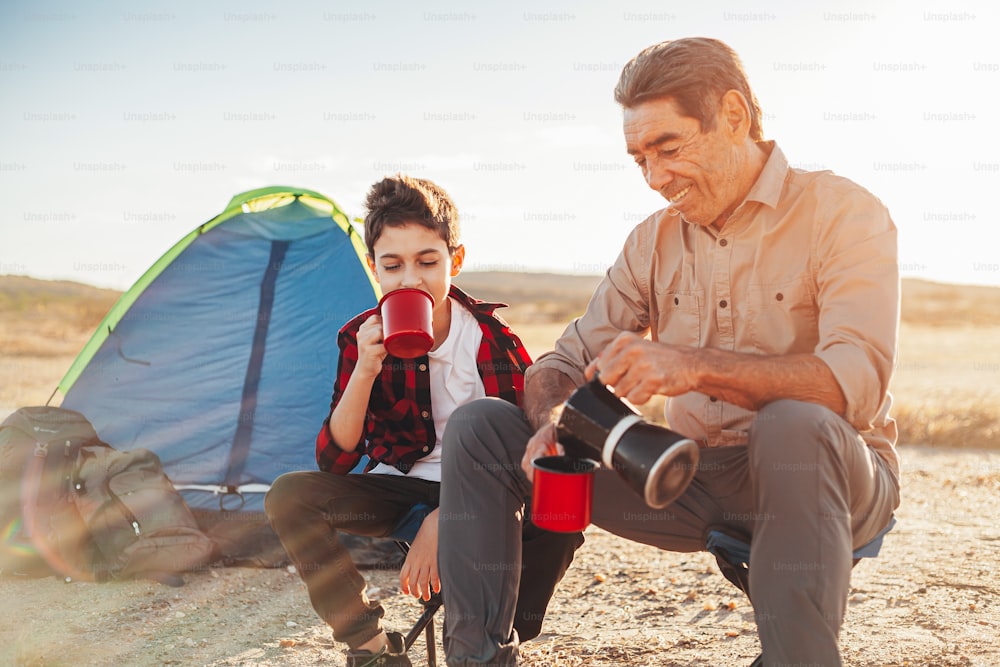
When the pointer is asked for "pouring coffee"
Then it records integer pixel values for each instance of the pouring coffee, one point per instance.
(655, 462)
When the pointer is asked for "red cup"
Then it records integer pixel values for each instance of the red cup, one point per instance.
(561, 493)
(407, 322)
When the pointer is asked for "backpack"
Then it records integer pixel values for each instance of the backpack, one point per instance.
(73, 505)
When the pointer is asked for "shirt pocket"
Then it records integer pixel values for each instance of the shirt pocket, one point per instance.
(679, 317)
(782, 317)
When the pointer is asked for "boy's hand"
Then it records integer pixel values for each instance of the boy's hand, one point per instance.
(543, 443)
(371, 351)
(419, 575)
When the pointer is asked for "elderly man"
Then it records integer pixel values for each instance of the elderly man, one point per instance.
(763, 301)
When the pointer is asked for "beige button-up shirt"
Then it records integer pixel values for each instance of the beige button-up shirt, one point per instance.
(807, 263)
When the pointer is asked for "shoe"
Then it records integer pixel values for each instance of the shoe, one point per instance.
(393, 655)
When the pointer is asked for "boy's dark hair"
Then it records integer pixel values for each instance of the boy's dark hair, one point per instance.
(400, 200)
(695, 72)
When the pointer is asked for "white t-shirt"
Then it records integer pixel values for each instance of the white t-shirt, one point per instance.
(455, 381)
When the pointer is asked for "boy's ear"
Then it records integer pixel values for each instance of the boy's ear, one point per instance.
(457, 259)
(371, 266)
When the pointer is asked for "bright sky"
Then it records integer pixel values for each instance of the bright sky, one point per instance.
(124, 125)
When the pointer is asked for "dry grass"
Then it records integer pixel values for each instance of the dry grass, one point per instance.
(49, 318)
(946, 387)
(45, 324)
(937, 305)
(534, 298)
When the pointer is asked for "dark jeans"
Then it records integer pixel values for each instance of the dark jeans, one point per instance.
(306, 509)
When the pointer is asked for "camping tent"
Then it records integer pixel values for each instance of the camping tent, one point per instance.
(221, 358)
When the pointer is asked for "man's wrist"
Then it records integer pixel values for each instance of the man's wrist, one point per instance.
(544, 395)
(697, 368)
(544, 416)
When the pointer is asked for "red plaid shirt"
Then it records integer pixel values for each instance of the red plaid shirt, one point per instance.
(399, 424)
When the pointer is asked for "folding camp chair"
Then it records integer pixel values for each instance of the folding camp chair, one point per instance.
(404, 533)
(733, 557)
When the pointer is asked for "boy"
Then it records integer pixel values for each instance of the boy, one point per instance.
(394, 411)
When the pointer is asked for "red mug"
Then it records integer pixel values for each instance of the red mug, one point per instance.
(407, 322)
(561, 493)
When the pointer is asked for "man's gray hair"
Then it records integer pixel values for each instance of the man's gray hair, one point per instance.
(695, 72)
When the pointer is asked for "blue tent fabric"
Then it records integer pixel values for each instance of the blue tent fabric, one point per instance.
(224, 364)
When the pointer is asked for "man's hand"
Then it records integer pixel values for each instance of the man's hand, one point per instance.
(637, 369)
(419, 575)
(542, 443)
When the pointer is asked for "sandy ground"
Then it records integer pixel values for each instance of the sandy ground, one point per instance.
(931, 598)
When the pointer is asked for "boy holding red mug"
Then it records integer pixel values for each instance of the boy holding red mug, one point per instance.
(393, 410)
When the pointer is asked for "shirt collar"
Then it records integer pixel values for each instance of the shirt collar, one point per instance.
(473, 304)
(767, 188)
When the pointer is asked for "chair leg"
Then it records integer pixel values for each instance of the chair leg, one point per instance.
(426, 620)
(734, 570)
(431, 647)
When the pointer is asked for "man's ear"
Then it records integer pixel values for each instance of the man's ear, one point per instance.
(734, 113)
(371, 266)
(457, 259)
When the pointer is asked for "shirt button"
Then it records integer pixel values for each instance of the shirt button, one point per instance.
(779, 296)
(723, 304)
(422, 367)
(677, 301)
(426, 449)
(425, 414)
(723, 242)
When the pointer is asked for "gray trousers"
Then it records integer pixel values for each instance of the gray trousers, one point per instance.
(308, 508)
(806, 489)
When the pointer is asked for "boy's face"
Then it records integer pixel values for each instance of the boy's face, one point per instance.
(414, 256)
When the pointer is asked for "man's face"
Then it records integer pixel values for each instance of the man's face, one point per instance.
(698, 173)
